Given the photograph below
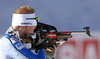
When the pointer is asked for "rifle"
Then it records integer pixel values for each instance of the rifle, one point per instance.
(52, 35)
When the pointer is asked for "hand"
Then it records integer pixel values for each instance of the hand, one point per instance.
(50, 51)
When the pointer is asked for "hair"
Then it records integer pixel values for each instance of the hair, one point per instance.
(25, 10)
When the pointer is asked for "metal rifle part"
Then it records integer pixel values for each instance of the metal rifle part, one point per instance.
(80, 32)
(87, 30)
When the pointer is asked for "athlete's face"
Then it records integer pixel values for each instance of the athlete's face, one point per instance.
(26, 30)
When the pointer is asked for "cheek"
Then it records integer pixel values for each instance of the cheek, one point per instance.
(31, 30)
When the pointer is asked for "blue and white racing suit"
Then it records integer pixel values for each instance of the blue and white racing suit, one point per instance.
(12, 48)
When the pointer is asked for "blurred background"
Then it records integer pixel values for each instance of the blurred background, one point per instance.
(65, 15)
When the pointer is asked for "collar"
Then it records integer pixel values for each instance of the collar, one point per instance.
(13, 33)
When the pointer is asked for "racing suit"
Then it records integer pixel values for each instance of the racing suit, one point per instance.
(12, 48)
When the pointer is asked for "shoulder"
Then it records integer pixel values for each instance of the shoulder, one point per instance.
(4, 46)
(4, 40)
(5, 43)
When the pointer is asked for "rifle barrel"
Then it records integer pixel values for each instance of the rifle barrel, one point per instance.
(78, 32)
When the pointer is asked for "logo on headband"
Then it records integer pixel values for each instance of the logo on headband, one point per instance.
(26, 23)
